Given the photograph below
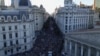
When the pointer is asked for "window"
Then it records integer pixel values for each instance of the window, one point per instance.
(36, 18)
(15, 18)
(9, 18)
(69, 27)
(2, 18)
(66, 27)
(66, 13)
(3, 28)
(23, 17)
(15, 27)
(25, 47)
(9, 27)
(24, 34)
(16, 34)
(11, 51)
(4, 36)
(66, 21)
(66, 17)
(10, 35)
(25, 40)
(17, 49)
(65, 31)
(5, 52)
(24, 26)
(73, 26)
(17, 42)
(5, 44)
(36, 23)
(11, 43)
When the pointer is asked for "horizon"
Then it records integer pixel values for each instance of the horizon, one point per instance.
(55, 3)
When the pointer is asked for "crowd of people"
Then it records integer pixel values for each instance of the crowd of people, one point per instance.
(50, 38)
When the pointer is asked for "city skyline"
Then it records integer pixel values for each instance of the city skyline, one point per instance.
(55, 3)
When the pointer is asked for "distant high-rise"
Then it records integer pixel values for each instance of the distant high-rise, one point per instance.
(2, 3)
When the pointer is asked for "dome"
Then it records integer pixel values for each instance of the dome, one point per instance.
(23, 3)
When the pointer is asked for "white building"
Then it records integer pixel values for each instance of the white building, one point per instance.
(82, 43)
(97, 20)
(73, 17)
(16, 31)
(20, 4)
(18, 24)
(39, 15)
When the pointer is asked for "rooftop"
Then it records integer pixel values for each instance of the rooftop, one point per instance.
(88, 37)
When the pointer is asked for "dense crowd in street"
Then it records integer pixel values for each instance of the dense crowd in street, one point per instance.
(49, 39)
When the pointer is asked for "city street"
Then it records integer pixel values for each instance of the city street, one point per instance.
(48, 39)
(49, 28)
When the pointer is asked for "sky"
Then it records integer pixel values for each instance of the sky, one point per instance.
(50, 5)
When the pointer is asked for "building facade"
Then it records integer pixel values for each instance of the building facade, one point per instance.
(18, 24)
(16, 32)
(96, 8)
(97, 4)
(73, 17)
(39, 15)
(84, 43)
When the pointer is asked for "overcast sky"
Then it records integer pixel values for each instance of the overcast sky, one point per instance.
(50, 5)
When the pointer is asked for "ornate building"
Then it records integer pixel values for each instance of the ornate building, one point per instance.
(16, 30)
(39, 16)
(83, 43)
(39, 13)
(73, 17)
(18, 24)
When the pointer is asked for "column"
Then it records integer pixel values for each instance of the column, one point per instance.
(81, 50)
(70, 48)
(75, 49)
(89, 51)
(97, 53)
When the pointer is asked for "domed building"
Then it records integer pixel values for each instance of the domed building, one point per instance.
(16, 32)
(16, 28)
